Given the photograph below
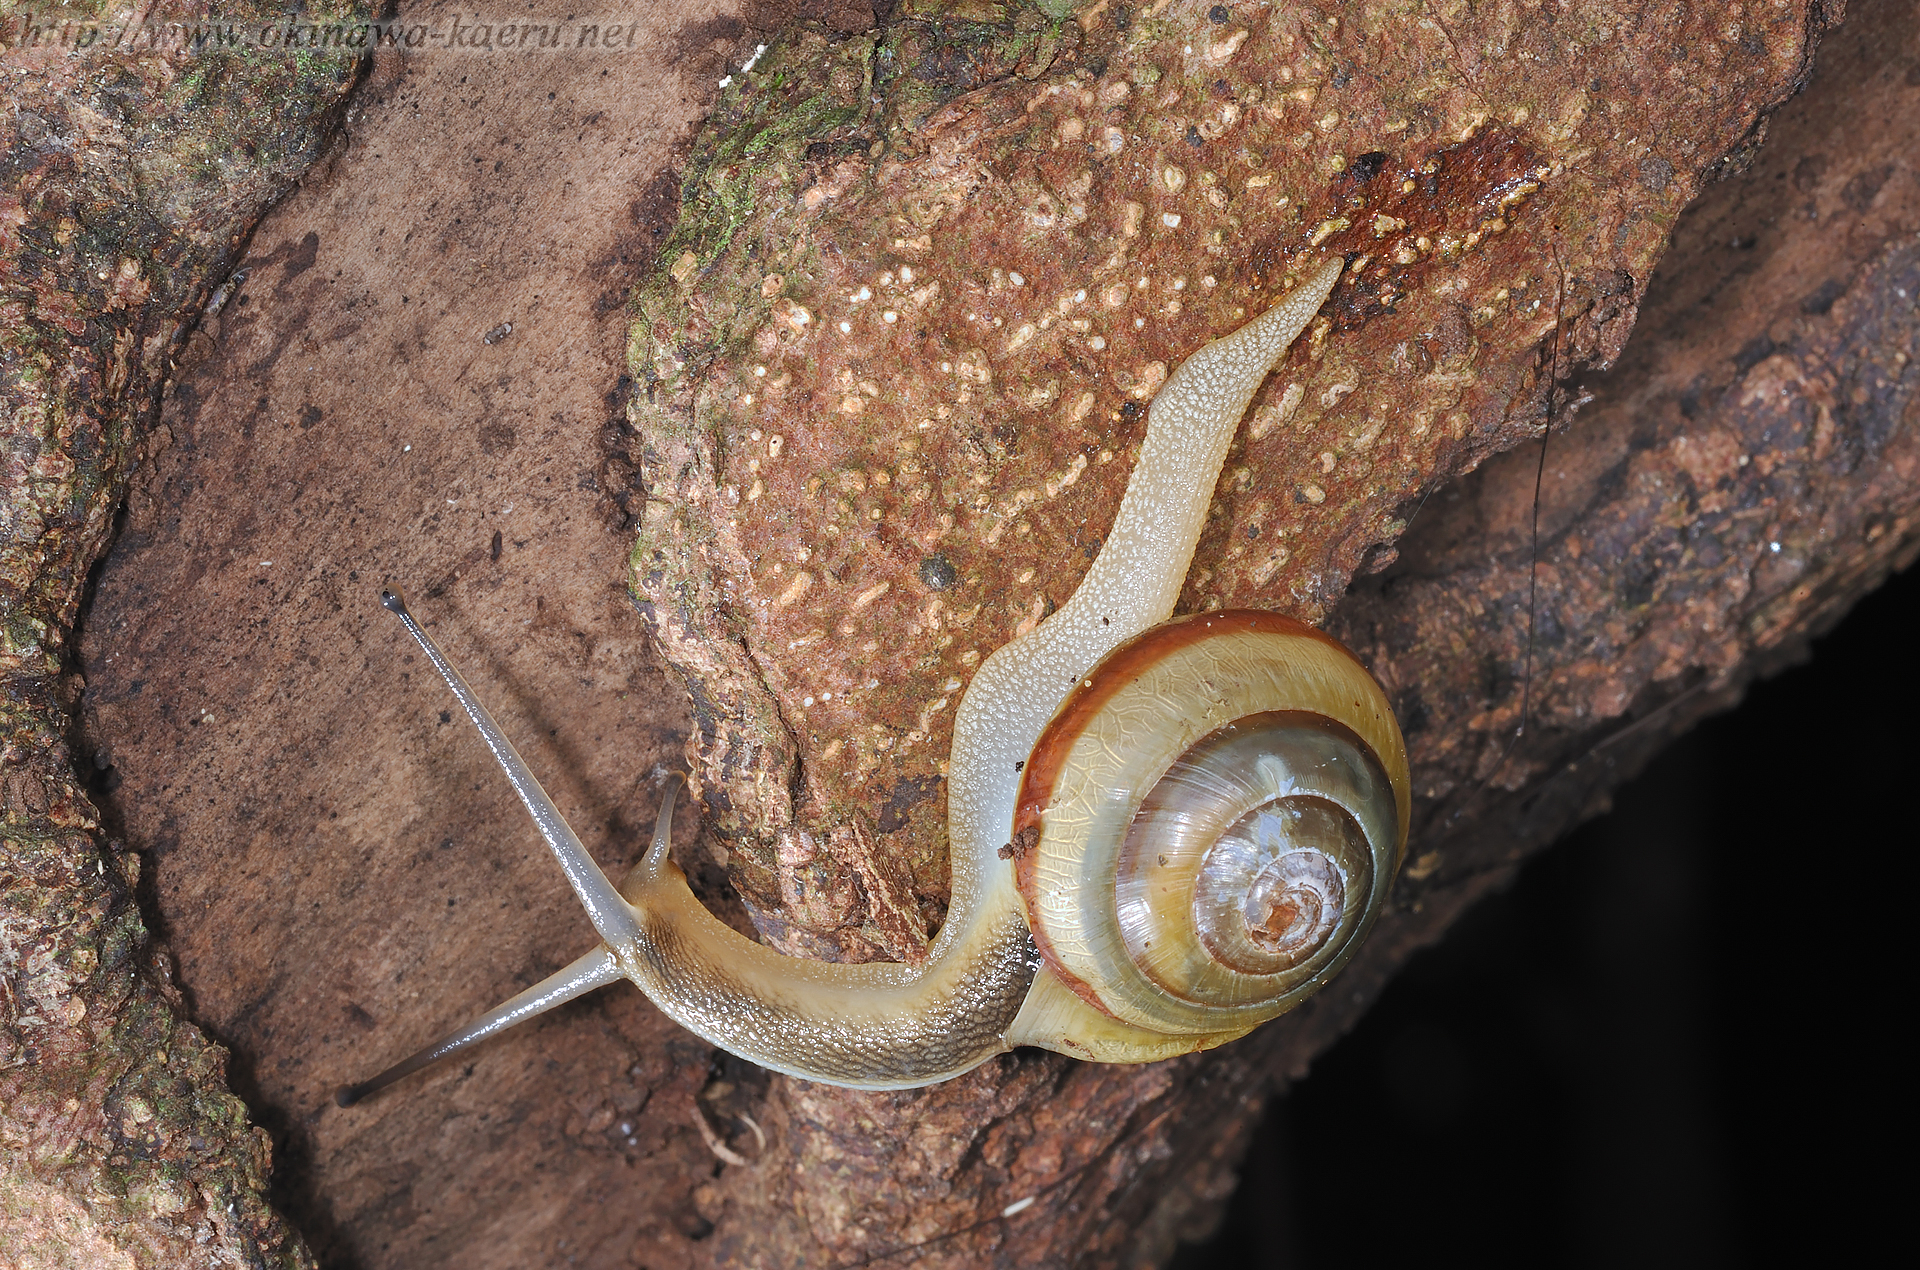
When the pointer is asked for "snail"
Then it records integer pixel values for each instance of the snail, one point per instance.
(1163, 833)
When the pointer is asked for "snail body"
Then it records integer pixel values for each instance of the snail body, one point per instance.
(1093, 912)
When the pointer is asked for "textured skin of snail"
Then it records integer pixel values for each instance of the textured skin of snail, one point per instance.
(1090, 912)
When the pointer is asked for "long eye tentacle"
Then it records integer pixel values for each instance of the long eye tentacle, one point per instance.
(605, 909)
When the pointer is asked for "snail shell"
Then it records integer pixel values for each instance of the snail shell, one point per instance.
(1204, 816)
(1209, 826)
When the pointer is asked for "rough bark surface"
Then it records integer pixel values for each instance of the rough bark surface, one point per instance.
(341, 876)
(130, 181)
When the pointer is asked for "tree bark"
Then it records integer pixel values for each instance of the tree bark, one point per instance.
(131, 183)
(1743, 472)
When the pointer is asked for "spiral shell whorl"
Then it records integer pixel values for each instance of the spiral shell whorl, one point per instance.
(1260, 905)
(1247, 867)
(1220, 810)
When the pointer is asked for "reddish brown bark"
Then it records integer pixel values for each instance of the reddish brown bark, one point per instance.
(339, 875)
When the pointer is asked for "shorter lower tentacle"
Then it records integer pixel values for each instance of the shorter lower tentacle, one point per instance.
(597, 969)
